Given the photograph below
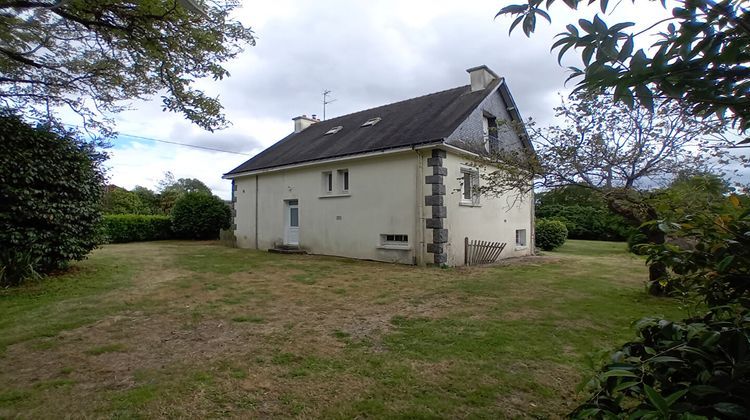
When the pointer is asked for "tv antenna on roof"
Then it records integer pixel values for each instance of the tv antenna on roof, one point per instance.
(326, 101)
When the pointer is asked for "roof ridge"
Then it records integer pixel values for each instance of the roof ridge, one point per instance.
(395, 103)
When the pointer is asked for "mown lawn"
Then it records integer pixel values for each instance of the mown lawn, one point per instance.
(192, 329)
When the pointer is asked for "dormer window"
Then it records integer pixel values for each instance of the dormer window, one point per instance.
(371, 121)
(334, 130)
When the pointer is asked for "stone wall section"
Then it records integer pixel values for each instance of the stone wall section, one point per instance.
(234, 206)
(438, 211)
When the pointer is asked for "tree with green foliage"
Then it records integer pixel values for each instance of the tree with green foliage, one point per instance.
(92, 56)
(50, 198)
(698, 58)
(691, 192)
(148, 198)
(198, 215)
(607, 147)
(188, 185)
(118, 200)
(171, 189)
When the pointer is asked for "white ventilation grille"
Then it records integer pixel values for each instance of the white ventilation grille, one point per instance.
(371, 121)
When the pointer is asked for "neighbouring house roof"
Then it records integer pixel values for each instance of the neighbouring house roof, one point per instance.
(425, 119)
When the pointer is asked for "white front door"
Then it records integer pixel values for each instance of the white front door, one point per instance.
(291, 232)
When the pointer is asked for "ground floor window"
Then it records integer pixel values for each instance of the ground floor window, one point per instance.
(521, 237)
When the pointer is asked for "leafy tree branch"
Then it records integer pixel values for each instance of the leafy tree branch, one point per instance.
(96, 56)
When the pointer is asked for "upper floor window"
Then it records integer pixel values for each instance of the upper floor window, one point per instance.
(469, 186)
(335, 183)
(344, 180)
(491, 140)
(328, 182)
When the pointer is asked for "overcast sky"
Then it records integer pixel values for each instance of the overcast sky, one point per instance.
(367, 53)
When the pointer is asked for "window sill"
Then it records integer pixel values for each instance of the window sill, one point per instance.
(468, 204)
(521, 248)
(395, 247)
(335, 195)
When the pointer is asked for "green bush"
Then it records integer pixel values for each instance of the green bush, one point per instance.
(50, 190)
(197, 215)
(677, 370)
(550, 234)
(117, 228)
(696, 368)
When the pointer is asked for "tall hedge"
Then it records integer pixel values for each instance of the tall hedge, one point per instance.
(50, 190)
(118, 228)
(197, 215)
(586, 222)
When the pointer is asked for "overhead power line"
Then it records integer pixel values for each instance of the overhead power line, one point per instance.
(177, 143)
(213, 149)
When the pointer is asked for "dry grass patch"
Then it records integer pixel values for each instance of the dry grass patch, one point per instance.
(192, 329)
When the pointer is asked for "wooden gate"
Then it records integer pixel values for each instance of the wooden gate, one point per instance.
(481, 252)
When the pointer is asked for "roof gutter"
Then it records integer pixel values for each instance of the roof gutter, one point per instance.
(428, 144)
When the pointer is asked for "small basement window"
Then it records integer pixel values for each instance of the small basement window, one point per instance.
(334, 130)
(521, 237)
(394, 239)
(371, 121)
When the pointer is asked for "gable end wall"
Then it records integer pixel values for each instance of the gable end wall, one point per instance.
(472, 131)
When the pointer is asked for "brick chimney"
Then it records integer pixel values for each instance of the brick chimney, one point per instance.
(302, 122)
(481, 77)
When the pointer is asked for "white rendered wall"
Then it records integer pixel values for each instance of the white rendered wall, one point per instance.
(382, 199)
(494, 219)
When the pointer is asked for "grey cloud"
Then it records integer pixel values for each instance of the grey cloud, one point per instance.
(229, 139)
(342, 48)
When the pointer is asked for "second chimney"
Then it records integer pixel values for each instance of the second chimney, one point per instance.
(302, 122)
(481, 77)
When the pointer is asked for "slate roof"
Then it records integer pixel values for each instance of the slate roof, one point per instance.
(425, 119)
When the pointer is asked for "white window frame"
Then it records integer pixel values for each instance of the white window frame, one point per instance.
(334, 130)
(523, 243)
(371, 122)
(327, 182)
(473, 187)
(344, 180)
(394, 241)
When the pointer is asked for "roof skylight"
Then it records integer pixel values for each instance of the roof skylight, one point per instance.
(371, 121)
(334, 130)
